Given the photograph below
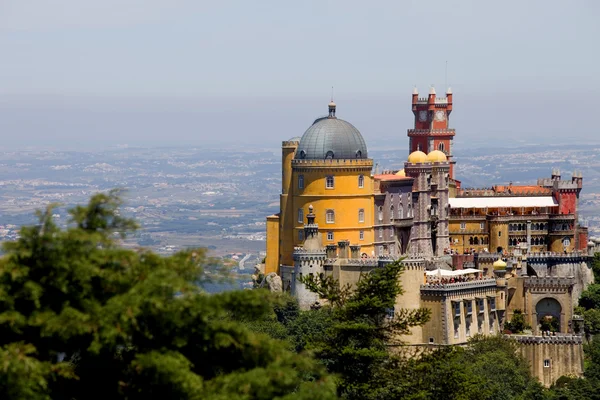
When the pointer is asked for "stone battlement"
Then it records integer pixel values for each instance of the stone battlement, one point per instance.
(549, 282)
(486, 192)
(557, 257)
(560, 339)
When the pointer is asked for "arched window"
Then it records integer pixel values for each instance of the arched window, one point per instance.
(392, 211)
(409, 214)
(300, 215)
(441, 146)
(330, 216)
(361, 181)
(300, 181)
(471, 240)
(358, 154)
(380, 213)
(329, 154)
(329, 182)
(400, 211)
(476, 241)
(361, 215)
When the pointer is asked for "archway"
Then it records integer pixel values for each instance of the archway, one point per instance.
(548, 314)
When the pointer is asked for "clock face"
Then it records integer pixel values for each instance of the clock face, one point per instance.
(422, 116)
(440, 115)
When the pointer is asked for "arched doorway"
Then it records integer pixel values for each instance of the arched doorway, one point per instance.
(548, 314)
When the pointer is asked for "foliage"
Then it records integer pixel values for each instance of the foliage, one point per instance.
(595, 263)
(517, 324)
(488, 368)
(591, 320)
(549, 323)
(356, 344)
(82, 317)
(590, 298)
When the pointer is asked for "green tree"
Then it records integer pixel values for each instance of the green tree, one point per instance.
(590, 298)
(487, 368)
(517, 324)
(356, 345)
(83, 318)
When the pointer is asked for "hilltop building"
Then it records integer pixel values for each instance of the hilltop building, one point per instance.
(472, 256)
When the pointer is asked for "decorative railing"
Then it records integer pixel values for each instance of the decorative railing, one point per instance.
(334, 162)
(444, 287)
(422, 132)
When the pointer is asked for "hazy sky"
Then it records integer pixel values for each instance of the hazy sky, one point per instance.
(177, 72)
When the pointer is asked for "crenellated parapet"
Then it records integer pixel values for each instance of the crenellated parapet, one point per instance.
(549, 283)
(556, 258)
(559, 339)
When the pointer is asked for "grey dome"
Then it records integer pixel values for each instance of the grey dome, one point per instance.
(330, 137)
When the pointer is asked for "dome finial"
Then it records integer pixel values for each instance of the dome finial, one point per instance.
(332, 106)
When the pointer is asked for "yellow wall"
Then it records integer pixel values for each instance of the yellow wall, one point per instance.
(345, 198)
(556, 243)
(472, 229)
(498, 235)
(272, 259)
(285, 239)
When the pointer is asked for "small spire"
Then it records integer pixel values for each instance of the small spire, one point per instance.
(431, 90)
(415, 90)
(332, 108)
(449, 91)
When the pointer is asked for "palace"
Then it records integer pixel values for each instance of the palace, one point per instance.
(472, 256)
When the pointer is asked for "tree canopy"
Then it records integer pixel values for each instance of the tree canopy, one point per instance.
(82, 317)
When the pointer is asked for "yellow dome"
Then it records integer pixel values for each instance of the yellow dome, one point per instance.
(499, 264)
(401, 173)
(417, 157)
(437, 156)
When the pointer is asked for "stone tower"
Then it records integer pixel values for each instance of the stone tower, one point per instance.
(308, 261)
(431, 131)
(430, 232)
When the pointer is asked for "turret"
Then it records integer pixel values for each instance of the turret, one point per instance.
(555, 174)
(577, 178)
(431, 99)
(308, 261)
(415, 98)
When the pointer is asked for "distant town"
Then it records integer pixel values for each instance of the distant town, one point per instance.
(187, 197)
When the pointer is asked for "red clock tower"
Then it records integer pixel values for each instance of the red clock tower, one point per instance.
(431, 130)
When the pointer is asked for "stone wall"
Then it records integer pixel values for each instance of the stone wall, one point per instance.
(575, 266)
(551, 357)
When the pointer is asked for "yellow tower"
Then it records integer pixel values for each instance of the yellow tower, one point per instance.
(329, 169)
(280, 227)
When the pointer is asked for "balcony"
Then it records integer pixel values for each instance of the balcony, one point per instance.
(431, 132)
(441, 288)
